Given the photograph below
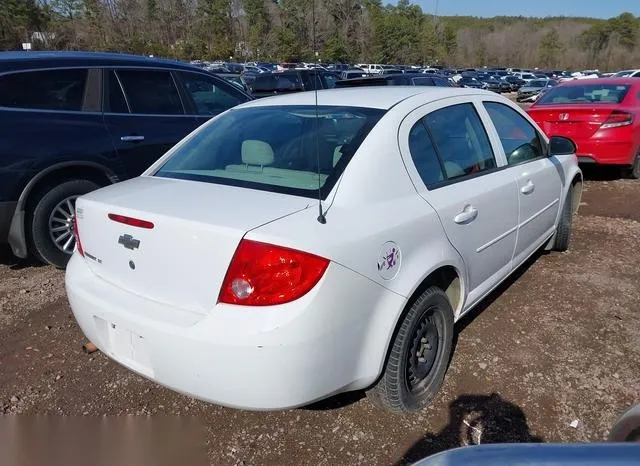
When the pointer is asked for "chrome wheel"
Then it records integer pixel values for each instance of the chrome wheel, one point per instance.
(61, 225)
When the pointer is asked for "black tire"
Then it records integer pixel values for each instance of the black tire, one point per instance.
(407, 384)
(627, 427)
(39, 216)
(635, 168)
(563, 232)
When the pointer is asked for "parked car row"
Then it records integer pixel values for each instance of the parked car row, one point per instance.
(73, 122)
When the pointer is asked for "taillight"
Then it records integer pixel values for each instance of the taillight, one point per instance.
(76, 234)
(134, 222)
(262, 274)
(618, 118)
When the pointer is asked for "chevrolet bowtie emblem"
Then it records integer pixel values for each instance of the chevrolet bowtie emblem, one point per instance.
(129, 242)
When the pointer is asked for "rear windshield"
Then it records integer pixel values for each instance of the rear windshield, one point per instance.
(283, 149)
(585, 94)
(538, 83)
(277, 82)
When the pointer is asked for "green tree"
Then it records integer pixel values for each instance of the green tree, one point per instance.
(216, 28)
(626, 27)
(257, 17)
(432, 47)
(450, 40)
(550, 49)
(335, 50)
(18, 19)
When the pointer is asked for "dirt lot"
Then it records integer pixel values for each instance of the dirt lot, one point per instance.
(560, 342)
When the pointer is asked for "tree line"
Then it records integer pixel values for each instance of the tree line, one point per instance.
(345, 31)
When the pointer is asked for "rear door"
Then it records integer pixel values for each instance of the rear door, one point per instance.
(144, 114)
(451, 161)
(539, 177)
(49, 117)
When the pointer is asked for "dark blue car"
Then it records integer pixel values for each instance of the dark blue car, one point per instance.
(72, 122)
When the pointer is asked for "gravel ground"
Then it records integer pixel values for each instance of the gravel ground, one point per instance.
(560, 342)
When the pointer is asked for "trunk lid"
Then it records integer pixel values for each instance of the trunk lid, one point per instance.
(579, 121)
(182, 260)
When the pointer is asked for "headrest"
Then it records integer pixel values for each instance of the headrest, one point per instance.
(255, 152)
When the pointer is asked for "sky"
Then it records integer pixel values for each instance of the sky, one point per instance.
(588, 8)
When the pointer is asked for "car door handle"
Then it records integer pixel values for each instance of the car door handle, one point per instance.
(132, 138)
(467, 215)
(528, 188)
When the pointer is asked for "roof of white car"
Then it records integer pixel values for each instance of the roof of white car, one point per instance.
(383, 97)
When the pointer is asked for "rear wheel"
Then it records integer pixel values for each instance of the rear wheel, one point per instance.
(635, 168)
(50, 220)
(419, 355)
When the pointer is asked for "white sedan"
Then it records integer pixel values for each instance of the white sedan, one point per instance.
(287, 251)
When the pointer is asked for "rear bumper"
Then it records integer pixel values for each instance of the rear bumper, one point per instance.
(614, 152)
(333, 339)
(6, 214)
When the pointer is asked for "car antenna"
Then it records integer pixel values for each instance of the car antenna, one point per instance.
(321, 217)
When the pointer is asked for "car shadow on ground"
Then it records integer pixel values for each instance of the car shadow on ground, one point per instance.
(593, 172)
(474, 420)
(15, 263)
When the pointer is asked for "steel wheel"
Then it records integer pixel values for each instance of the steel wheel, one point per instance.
(419, 355)
(423, 353)
(61, 224)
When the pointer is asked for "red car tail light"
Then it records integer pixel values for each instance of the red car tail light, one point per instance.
(76, 233)
(616, 119)
(134, 222)
(262, 274)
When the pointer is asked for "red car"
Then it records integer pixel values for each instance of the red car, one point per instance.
(602, 117)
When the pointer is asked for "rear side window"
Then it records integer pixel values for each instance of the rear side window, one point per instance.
(285, 149)
(441, 82)
(151, 92)
(44, 90)
(461, 140)
(277, 82)
(423, 81)
(209, 97)
(424, 155)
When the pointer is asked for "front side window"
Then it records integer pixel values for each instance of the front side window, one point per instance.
(44, 90)
(519, 138)
(286, 149)
(151, 92)
(208, 96)
(461, 140)
(329, 80)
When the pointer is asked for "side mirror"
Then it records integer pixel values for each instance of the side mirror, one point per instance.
(559, 145)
